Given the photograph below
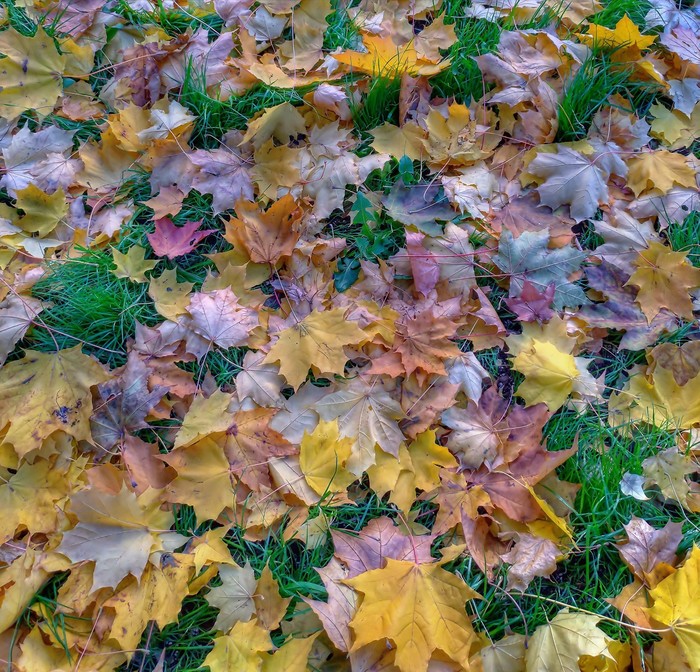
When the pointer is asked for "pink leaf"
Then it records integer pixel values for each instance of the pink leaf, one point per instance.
(169, 240)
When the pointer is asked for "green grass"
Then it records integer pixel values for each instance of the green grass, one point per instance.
(615, 10)
(379, 105)
(590, 89)
(215, 116)
(685, 237)
(341, 32)
(86, 304)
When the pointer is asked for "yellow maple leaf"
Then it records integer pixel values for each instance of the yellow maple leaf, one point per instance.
(240, 649)
(43, 393)
(625, 34)
(559, 644)
(118, 532)
(543, 356)
(205, 416)
(42, 212)
(664, 279)
(132, 264)
(31, 74)
(204, 479)
(659, 171)
(417, 468)
(384, 58)
(292, 656)
(322, 458)
(156, 597)
(265, 236)
(419, 607)
(677, 605)
(170, 297)
(316, 343)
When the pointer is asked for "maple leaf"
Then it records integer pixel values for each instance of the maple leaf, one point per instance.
(316, 343)
(337, 612)
(125, 402)
(379, 541)
(30, 498)
(418, 468)
(560, 643)
(668, 470)
(664, 278)
(659, 171)
(250, 444)
(218, 317)
(620, 310)
(625, 34)
(42, 212)
(266, 236)
(205, 416)
(43, 393)
(574, 179)
(419, 607)
(322, 459)
(533, 305)
(646, 546)
(383, 57)
(528, 258)
(204, 478)
(27, 153)
(239, 650)
(156, 597)
(260, 382)
(422, 343)
(677, 605)
(683, 361)
(118, 532)
(418, 205)
(173, 241)
(17, 314)
(170, 297)
(234, 597)
(543, 356)
(222, 173)
(270, 606)
(132, 264)
(367, 414)
(31, 75)
(530, 556)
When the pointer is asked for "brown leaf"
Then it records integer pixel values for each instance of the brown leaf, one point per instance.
(646, 546)
(531, 556)
(266, 236)
(379, 539)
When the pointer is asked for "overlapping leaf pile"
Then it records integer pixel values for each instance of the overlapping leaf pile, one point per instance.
(396, 308)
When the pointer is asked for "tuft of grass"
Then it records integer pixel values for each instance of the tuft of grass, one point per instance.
(215, 116)
(685, 237)
(173, 21)
(590, 89)
(379, 105)
(341, 31)
(86, 304)
(615, 10)
(463, 80)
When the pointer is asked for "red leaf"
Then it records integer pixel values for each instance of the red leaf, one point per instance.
(169, 240)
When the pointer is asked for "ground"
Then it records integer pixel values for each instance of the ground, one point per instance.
(576, 84)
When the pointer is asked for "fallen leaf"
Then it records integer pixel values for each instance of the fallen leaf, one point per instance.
(419, 607)
(173, 241)
(316, 342)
